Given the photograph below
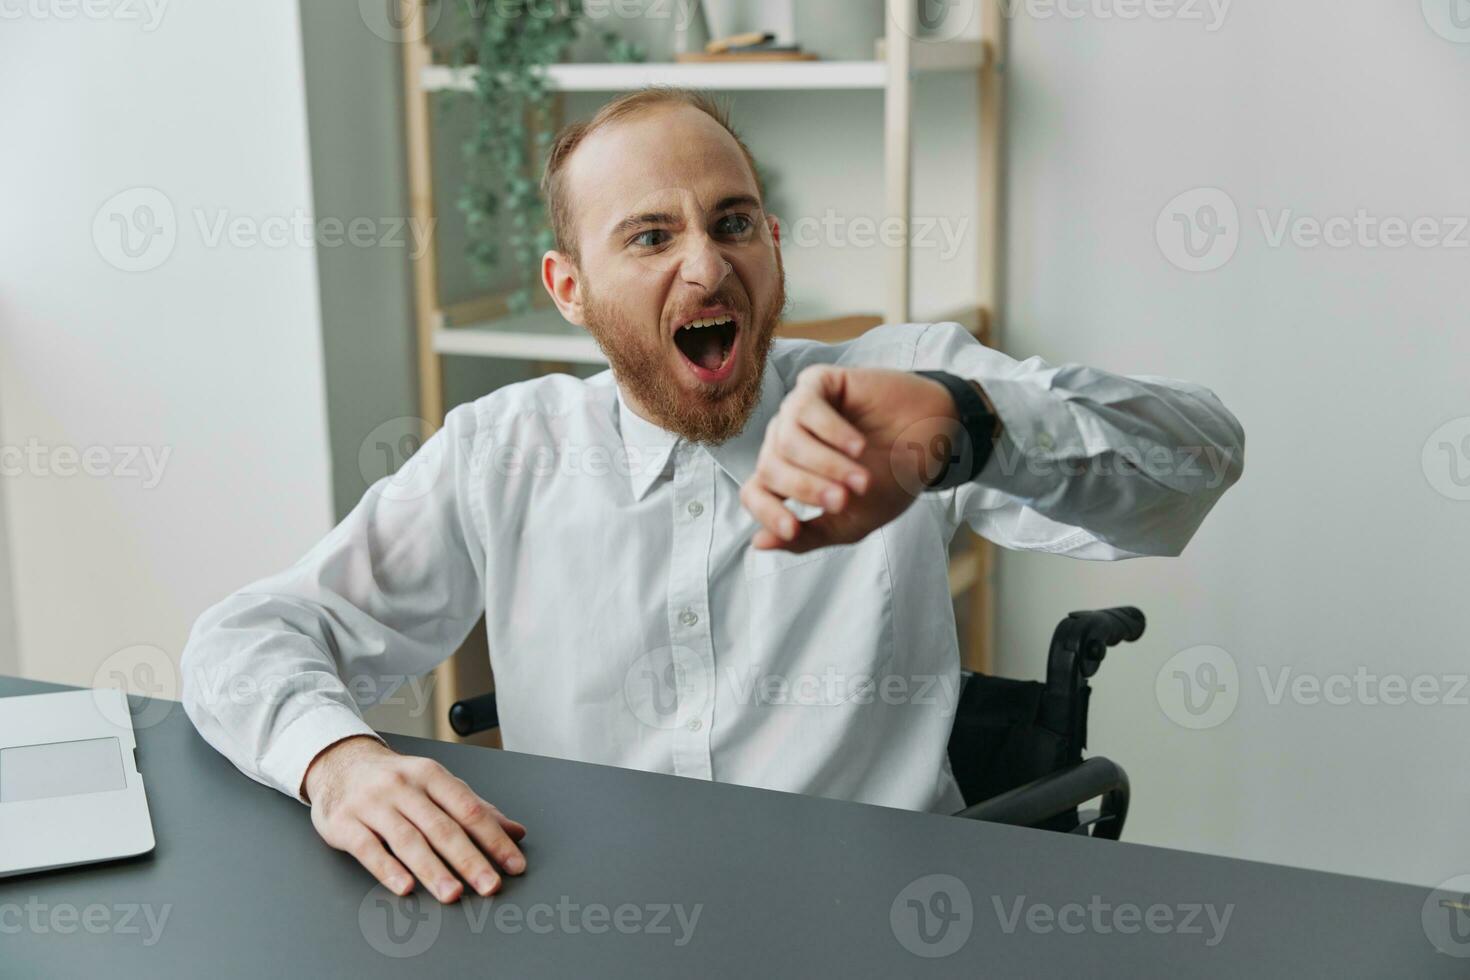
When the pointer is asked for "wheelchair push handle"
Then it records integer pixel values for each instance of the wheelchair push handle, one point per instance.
(1083, 638)
(1121, 624)
(477, 714)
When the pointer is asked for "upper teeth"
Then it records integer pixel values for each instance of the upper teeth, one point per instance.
(713, 321)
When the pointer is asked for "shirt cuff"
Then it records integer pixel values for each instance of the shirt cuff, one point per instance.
(285, 762)
(1038, 433)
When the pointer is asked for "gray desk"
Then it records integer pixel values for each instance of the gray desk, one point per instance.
(240, 886)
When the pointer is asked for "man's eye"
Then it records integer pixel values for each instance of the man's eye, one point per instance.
(743, 224)
(652, 231)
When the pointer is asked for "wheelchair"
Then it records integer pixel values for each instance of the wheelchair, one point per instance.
(1016, 746)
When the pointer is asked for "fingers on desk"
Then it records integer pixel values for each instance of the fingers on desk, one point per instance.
(433, 838)
(494, 832)
(365, 845)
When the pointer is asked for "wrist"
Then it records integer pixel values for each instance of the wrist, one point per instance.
(333, 759)
(973, 428)
(936, 401)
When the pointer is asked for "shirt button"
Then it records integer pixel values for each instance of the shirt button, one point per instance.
(688, 617)
(1044, 440)
(696, 725)
(695, 508)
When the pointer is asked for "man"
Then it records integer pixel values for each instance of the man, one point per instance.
(711, 561)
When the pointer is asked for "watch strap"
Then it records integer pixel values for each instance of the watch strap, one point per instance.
(977, 423)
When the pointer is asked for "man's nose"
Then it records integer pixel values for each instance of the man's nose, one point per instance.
(704, 265)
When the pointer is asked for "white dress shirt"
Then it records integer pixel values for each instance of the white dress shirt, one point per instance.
(629, 621)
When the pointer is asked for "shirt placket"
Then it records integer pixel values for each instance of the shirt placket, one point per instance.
(689, 620)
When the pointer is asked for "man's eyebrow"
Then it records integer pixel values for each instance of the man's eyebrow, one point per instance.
(633, 221)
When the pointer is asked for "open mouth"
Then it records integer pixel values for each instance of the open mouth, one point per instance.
(708, 345)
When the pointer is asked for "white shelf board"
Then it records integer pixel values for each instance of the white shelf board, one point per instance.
(539, 336)
(767, 75)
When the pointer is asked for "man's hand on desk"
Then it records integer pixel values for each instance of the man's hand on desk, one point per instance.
(854, 442)
(364, 795)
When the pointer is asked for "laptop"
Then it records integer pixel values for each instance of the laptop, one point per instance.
(70, 789)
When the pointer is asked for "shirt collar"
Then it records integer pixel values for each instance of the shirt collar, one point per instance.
(649, 447)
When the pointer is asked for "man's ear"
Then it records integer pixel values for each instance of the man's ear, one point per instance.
(774, 224)
(559, 276)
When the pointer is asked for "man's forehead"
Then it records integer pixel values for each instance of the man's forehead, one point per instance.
(670, 163)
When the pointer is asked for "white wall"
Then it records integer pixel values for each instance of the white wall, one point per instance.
(214, 356)
(1335, 551)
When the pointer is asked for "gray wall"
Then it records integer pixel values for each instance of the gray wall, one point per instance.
(1335, 552)
(354, 93)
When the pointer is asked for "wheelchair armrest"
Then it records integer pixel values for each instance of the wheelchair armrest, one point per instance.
(474, 715)
(1053, 795)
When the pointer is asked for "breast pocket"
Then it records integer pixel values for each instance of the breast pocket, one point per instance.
(821, 623)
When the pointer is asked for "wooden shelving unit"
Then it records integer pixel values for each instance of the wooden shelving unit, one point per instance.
(485, 329)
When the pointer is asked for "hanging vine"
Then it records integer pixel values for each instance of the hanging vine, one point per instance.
(513, 42)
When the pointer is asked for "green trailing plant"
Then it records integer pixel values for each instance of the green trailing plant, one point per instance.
(513, 41)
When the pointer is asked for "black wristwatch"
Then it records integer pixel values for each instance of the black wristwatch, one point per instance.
(978, 422)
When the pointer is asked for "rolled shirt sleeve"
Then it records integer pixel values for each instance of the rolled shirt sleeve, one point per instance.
(1090, 464)
(281, 669)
